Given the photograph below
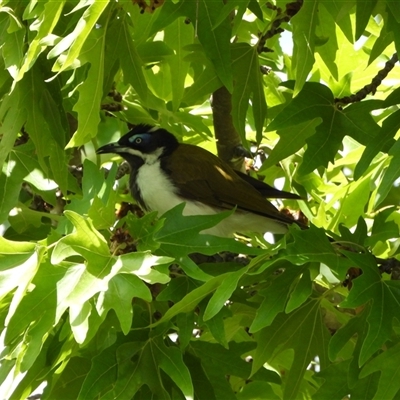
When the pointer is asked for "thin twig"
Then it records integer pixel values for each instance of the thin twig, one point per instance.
(372, 87)
(291, 10)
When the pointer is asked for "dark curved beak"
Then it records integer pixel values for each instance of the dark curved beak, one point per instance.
(110, 148)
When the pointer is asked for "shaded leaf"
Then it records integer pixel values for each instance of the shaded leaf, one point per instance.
(248, 83)
(223, 293)
(382, 143)
(386, 363)
(303, 331)
(383, 294)
(291, 140)
(304, 24)
(363, 13)
(316, 101)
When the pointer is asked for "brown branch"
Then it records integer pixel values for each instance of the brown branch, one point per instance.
(150, 8)
(372, 87)
(291, 10)
(229, 146)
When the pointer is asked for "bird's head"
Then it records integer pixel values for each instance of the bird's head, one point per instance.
(143, 144)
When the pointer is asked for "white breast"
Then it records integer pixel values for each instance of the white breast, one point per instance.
(156, 189)
(159, 194)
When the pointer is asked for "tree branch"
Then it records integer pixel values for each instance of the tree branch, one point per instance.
(291, 10)
(371, 88)
(229, 145)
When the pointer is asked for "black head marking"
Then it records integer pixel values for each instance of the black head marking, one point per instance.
(148, 139)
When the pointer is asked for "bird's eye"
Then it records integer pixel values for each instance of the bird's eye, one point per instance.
(138, 140)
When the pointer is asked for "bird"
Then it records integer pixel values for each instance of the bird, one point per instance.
(165, 173)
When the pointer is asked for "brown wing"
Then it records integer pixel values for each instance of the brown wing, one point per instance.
(267, 190)
(201, 175)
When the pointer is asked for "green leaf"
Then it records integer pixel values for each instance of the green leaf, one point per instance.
(218, 363)
(18, 262)
(32, 379)
(170, 361)
(223, 293)
(384, 39)
(35, 315)
(384, 227)
(383, 142)
(10, 186)
(314, 246)
(302, 330)
(73, 43)
(72, 377)
(257, 390)
(316, 101)
(91, 90)
(255, 8)
(130, 375)
(86, 241)
(30, 168)
(391, 174)
(139, 363)
(335, 381)
(102, 374)
(291, 140)
(143, 230)
(190, 301)
(154, 51)
(120, 38)
(301, 292)
(304, 24)
(354, 198)
(185, 324)
(393, 24)
(248, 82)
(275, 297)
(217, 328)
(140, 264)
(177, 36)
(206, 83)
(13, 117)
(216, 42)
(13, 46)
(44, 25)
(340, 12)
(122, 289)
(326, 28)
(363, 13)
(387, 364)
(384, 297)
(203, 388)
(97, 199)
(47, 135)
(177, 289)
(102, 209)
(83, 281)
(168, 14)
(180, 234)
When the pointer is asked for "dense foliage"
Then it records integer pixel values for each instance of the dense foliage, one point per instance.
(101, 302)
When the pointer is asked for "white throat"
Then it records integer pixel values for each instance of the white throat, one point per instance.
(148, 158)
